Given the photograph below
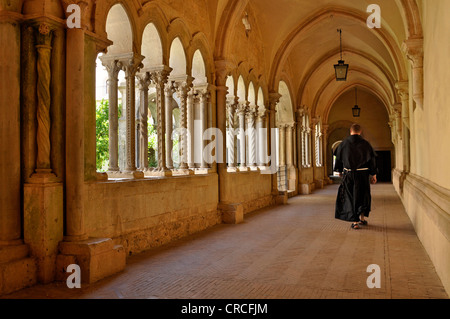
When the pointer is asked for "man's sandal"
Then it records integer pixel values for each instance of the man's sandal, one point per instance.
(363, 222)
(355, 226)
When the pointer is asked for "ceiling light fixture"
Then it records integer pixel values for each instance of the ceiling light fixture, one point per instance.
(341, 68)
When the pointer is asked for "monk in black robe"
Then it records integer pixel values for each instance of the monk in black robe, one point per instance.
(356, 164)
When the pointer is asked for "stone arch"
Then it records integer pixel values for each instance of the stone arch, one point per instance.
(199, 44)
(177, 58)
(370, 81)
(241, 91)
(411, 18)
(285, 109)
(199, 69)
(119, 30)
(330, 57)
(152, 48)
(179, 30)
(359, 17)
(100, 13)
(231, 13)
(231, 87)
(260, 100)
(251, 96)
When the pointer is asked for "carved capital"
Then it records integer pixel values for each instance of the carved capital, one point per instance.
(131, 64)
(144, 81)
(403, 89)
(112, 66)
(413, 49)
(241, 108)
(274, 99)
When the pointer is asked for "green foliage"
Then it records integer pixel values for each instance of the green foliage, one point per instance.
(152, 146)
(102, 134)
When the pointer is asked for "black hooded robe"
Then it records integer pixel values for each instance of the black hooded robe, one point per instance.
(356, 159)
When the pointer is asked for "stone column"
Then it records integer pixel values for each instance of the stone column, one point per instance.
(96, 257)
(241, 111)
(10, 221)
(204, 97)
(168, 95)
(113, 67)
(221, 106)
(325, 151)
(159, 77)
(290, 145)
(403, 91)
(274, 99)
(43, 47)
(251, 136)
(262, 136)
(190, 128)
(282, 146)
(182, 89)
(131, 66)
(142, 120)
(413, 48)
(75, 229)
(231, 141)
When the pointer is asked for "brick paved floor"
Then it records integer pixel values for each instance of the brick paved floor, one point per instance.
(294, 251)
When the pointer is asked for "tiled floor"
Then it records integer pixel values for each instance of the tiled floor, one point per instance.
(294, 251)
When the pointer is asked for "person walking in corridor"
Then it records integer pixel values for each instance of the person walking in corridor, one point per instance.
(356, 164)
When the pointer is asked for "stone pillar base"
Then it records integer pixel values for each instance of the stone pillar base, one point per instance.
(98, 258)
(184, 171)
(17, 270)
(306, 189)
(232, 213)
(159, 173)
(232, 169)
(282, 198)
(43, 225)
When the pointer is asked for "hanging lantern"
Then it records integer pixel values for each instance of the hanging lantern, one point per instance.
(341, 68)
(356, 110)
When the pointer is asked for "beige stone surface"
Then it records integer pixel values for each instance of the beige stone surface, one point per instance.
(295, 251)
(277, 55)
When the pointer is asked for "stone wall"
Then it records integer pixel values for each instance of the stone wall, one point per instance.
(144, 214)
(252, 190)
(425, 191)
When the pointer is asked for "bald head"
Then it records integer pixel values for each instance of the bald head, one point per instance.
(355, 129)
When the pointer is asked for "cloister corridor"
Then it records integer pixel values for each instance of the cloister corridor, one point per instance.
(293, 251)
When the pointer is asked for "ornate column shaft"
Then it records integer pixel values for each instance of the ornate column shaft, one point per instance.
(282, 147)
(251, 128)
(159, 77)
(190, 128)
(231, 133)
(144, 81)
(182, 89)
(221, 106)
(44, 48)
(131, 66)
(204, 97)
(262, 136)
(113, 68)
(241, 110)
(290, 145)
(168, 94)
(274, 99)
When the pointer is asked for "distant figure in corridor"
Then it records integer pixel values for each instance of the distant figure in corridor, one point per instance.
(356, 164)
